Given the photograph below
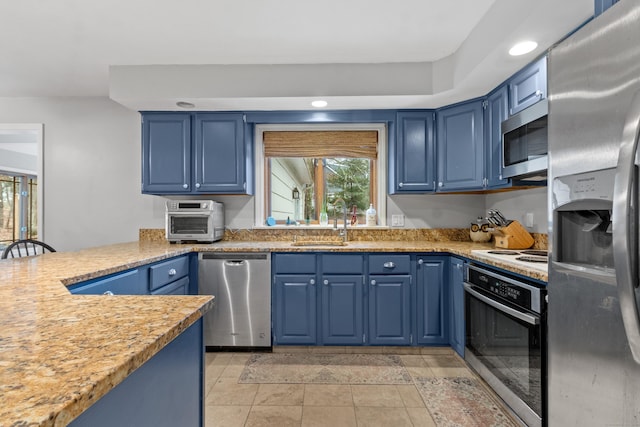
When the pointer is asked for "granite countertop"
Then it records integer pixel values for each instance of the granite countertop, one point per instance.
(59, 353)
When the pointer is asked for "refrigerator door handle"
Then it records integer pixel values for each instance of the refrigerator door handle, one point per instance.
(625, 227)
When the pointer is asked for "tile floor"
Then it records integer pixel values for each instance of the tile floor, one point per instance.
(231, 404)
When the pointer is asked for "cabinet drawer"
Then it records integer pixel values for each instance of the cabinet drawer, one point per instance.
(127, 283)
(295, 263)
(389, 264)
(343, 264)
(168, 271)
(179, 287)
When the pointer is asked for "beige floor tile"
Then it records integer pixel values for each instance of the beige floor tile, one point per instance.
(364, 350)
(410, 396)
(221, 359)
(232, 371)
(421, 417)
(328, 350)
(443, 361)
(280, 395)
(227, 391)
(276, 416)
(414, 361)
(420, 372)
(240, 359)
(327, 395)
(211, 375)
(290, 349)
(385, 396)
(452, 372)
(401, 350)
(436, 350)
(225, 416)
(382, 417)
(322, 416)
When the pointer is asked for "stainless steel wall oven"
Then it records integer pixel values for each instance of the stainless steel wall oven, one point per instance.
(506, 338)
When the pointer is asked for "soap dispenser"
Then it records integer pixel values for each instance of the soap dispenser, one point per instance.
(371, 216)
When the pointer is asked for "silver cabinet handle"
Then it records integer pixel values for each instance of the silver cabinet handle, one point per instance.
(539, 93)
(172, 272)
(197, 185)
(389, 264)
(373, 283)
(107, 293)
(400, 184)
(441, 184)
(624, 218)
(312, 281)
(185, 185)
(326, 282)
(420, 261)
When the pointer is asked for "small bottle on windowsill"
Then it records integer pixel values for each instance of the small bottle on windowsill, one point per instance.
(354, 215)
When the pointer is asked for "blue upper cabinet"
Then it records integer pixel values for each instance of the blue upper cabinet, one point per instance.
(414, 156)
(195, 153)
(219, 153)
(166, 153)
(496, 111)
(528, 86)
(460, 147)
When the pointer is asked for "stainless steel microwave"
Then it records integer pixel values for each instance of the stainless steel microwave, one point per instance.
(194, 221)
(524, 142)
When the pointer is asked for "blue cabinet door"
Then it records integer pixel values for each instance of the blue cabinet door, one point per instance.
(602, 5)
(414, 156)
(294, 309)
(456, 306)
(431, 310)
(219, 153)
(460, 147)
(166, 153)
(496, 111)
(342, 309)
(528, 86)
(389, 310)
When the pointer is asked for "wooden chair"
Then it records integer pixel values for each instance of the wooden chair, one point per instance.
(24, 248)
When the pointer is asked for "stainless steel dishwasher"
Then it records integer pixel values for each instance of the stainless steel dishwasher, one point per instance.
(241, 284)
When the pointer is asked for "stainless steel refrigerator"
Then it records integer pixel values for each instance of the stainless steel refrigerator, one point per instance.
(593, 322)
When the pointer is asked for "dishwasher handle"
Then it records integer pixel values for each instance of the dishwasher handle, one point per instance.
(234, 262)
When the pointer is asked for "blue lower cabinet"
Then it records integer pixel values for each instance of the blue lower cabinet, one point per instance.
(342, 309)
(389, 310)
(166, 391)
(125, 283)
(431, 310)
(179, 287)
(294, 309)
(456, 306)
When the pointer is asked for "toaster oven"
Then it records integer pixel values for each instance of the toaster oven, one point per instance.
(199, 221)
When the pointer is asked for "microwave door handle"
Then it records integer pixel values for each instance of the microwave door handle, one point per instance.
(532, 320)
(625, 227)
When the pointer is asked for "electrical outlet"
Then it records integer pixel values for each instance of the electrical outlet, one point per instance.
(397, 220)
(528, 219)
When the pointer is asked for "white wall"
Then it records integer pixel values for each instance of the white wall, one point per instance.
(92, 180)
(515, 204)
(91, 169)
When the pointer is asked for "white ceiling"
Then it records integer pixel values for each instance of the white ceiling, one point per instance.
(65, 47)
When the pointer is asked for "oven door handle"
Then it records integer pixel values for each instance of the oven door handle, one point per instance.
(532, 320)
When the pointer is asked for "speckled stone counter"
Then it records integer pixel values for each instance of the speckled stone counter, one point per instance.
(59, 353)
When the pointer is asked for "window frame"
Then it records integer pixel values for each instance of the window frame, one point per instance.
(262, 179)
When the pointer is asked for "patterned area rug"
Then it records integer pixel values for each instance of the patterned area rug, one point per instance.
(460, 401)
(283, 368)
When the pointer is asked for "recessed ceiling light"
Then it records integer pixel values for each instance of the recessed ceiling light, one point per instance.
(183, 104)
(522, 48)
(319, 103)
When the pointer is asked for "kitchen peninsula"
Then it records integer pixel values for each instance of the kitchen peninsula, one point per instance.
(60, 353)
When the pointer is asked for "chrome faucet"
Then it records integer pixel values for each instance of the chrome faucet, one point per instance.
(343, 232)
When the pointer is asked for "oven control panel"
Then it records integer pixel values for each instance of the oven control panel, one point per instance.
(518, 293)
